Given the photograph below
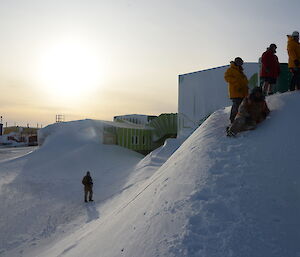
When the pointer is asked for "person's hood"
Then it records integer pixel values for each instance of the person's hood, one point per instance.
(233, 65)
(290, 38)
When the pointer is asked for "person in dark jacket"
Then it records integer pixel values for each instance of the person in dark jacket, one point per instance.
(252, 111)
(270, 69)
(87, 181)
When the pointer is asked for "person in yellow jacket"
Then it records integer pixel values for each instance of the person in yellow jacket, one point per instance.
(237, 85)
(293, 49)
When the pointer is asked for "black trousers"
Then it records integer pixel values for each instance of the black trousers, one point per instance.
(295, 81)
(235, 107)
(88, 191)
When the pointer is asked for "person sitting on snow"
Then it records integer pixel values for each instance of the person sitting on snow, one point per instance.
(252, 111)
(87, 181)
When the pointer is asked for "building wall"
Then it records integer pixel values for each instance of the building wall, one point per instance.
(135, 118)
(23, 130)
(203, 92)
(139, 140)
(165, 126)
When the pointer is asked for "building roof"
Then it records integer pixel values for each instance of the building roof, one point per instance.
(126, 124)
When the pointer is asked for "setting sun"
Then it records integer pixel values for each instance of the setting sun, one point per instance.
(69, 69)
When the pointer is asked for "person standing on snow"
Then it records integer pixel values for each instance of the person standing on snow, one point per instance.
(237, 85)
(252, 111)
(270, 69)
(293, 49)
(87, 181)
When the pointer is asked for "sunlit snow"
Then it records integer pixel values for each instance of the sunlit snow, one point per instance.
(207, 196)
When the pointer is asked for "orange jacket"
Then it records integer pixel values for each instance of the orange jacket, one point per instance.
(293, 49)
(237, 82)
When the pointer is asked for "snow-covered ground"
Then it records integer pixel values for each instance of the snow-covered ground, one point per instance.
(9, 153)
(213, 197)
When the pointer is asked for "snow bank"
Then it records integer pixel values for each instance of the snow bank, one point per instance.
(214, 197)
(42, 191)
(73, 132)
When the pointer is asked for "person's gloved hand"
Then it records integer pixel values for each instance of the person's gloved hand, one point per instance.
(297, 62)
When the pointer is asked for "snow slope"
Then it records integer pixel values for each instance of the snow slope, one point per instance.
(9, 153)
(214, 197)
(42, 191)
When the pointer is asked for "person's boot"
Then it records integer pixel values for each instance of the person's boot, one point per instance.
(230, 133)
(91, 200)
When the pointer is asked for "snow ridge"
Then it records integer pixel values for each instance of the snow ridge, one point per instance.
(212, 196)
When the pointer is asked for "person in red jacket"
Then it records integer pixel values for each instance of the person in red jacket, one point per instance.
(270, 69)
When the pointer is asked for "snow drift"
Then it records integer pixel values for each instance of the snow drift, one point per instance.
(214, 197)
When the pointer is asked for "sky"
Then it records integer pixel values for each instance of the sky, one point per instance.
(97, 59)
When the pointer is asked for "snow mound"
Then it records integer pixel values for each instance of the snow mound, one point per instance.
(42, 191)
(214, 197)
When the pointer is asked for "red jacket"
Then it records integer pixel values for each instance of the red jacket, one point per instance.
(269, 65)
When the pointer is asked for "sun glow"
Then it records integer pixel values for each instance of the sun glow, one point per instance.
(70, 70)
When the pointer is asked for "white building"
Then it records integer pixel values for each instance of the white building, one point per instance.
(203, 92)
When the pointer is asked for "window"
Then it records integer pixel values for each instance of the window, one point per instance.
(134, 140)
(144, 140)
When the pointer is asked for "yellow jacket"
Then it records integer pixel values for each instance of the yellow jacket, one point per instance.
(237, 82)
(293, 49)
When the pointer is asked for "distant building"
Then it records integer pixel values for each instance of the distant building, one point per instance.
(135, 118)
(16, 135)
(59, 118)
(1, 126)
(141, 133)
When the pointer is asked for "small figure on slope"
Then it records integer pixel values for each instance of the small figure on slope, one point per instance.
(87, 181)
(252, 111)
